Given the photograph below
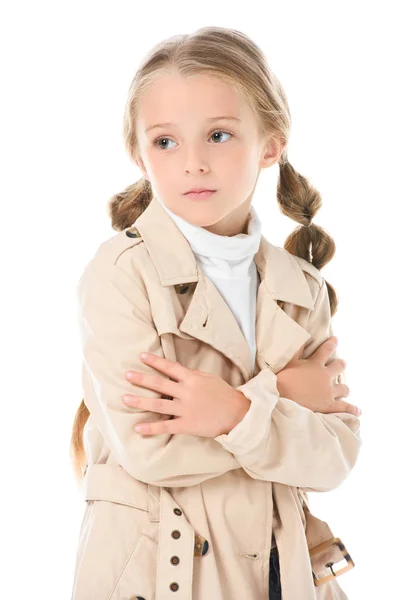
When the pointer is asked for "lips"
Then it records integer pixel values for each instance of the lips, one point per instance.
(198, 190)
(200, 195)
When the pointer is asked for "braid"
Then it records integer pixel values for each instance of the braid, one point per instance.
(300, 201)
(125, 207)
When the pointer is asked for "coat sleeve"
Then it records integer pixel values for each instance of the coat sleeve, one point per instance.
(115, 326)
(281, 441)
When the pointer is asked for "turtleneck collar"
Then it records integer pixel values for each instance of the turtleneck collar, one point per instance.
(234, 248)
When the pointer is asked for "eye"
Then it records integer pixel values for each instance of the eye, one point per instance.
(214, 132)
(163, 137)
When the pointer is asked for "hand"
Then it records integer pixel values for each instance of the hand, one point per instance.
(202, 404)
(309, 382)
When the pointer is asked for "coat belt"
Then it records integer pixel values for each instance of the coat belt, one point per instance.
(178, 542)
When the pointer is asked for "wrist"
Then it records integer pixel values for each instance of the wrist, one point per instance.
(280, 383)
(242, 405)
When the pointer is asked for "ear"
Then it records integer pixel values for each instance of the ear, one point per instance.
(142, 168)
(271, 151)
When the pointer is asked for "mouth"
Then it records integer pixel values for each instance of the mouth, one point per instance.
(203, 195)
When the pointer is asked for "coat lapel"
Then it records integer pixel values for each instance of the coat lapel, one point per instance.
(208, 317)
(278, 336)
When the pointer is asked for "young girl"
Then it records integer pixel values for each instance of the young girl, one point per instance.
(241, 357)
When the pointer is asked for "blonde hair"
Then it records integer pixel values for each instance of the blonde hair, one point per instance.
(233, 58)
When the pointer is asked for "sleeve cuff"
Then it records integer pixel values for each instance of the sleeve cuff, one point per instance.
(255, 425)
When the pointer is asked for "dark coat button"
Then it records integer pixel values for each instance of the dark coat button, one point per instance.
(177, 511)
(200, 545)
(175, 560)
(176, 534)
(205, 548)
(132, 232)
(174, 587)
(182, 288)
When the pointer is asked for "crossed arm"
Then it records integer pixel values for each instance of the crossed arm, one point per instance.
(276, 439)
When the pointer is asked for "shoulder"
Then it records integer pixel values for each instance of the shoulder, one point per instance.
(111, 251)
(311, 274)
(290, 263)
(290, 277)
(115, 256)
(309, 269)
(111, 283)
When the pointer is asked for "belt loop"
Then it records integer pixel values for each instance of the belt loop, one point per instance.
(176, 539)
(153, 493)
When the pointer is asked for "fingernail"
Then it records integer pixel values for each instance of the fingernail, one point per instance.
(359, 412)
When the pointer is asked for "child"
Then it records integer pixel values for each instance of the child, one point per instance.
(240, 400)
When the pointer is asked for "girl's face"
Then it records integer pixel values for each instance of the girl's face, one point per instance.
(196, 150)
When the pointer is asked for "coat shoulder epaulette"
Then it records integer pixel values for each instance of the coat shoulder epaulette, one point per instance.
(111, 250)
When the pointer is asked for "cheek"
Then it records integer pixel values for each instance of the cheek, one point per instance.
(160, 172)
(239, 166)
(166, 184)
(226, 162)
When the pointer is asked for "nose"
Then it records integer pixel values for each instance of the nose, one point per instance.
(196, 161)
(189, 170)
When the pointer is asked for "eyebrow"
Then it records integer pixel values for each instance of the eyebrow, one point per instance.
(209, 119)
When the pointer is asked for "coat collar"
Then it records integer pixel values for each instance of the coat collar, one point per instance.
(208, 317)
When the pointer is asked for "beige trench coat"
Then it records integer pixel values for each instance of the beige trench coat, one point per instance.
(186, 517)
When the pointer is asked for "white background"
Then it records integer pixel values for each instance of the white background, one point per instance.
(65, 72)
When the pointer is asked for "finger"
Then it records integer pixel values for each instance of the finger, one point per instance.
(340, 378)
(158, 405)
(165, 426)
(343, 406)
(336, 366)
(341, 390)
(171, 368)
(325, 350)
(157, 383)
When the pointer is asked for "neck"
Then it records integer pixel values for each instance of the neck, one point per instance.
(236, 222)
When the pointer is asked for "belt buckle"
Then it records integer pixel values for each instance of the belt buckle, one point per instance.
(320, 548)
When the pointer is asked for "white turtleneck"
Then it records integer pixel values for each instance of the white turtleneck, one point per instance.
(229, 262)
